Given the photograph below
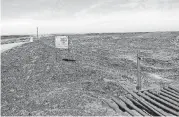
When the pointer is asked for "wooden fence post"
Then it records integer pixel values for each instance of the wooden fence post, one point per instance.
(138, 71)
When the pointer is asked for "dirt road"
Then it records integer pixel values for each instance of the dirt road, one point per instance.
(5, 47)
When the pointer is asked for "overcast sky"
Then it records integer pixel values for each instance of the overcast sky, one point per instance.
(83, 16)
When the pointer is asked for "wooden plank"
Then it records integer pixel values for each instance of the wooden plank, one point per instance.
(158, 104)
(112, 105)
(127, 101)
(170, 94)
(174, 89)
(136, 113)
(151, 107)
(170, 90)
(162, 101)
(137, 103)
(155, 110)
(147, 89)
(125, 114)
(171, 97)
(165, 98)
(122, 105)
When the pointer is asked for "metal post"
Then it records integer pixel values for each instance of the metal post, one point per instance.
(138, 72)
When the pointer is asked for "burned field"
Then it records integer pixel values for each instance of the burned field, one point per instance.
(39, 79)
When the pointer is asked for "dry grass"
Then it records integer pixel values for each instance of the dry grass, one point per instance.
(35, 83)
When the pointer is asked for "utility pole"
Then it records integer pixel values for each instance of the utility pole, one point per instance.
(37, 33)
(138, 71)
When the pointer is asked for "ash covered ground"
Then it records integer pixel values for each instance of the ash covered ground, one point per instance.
(35, 80)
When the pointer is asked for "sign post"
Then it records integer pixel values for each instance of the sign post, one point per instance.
(61, 42)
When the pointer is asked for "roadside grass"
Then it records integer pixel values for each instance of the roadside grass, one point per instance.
(36, 81)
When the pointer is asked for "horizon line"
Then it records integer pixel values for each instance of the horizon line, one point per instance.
(88, 33)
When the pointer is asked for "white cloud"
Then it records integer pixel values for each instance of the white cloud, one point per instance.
(115, 22)
(119, 18)
(85, 11)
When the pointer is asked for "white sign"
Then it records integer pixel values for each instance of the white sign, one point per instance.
(31, 39)
(61, 42)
